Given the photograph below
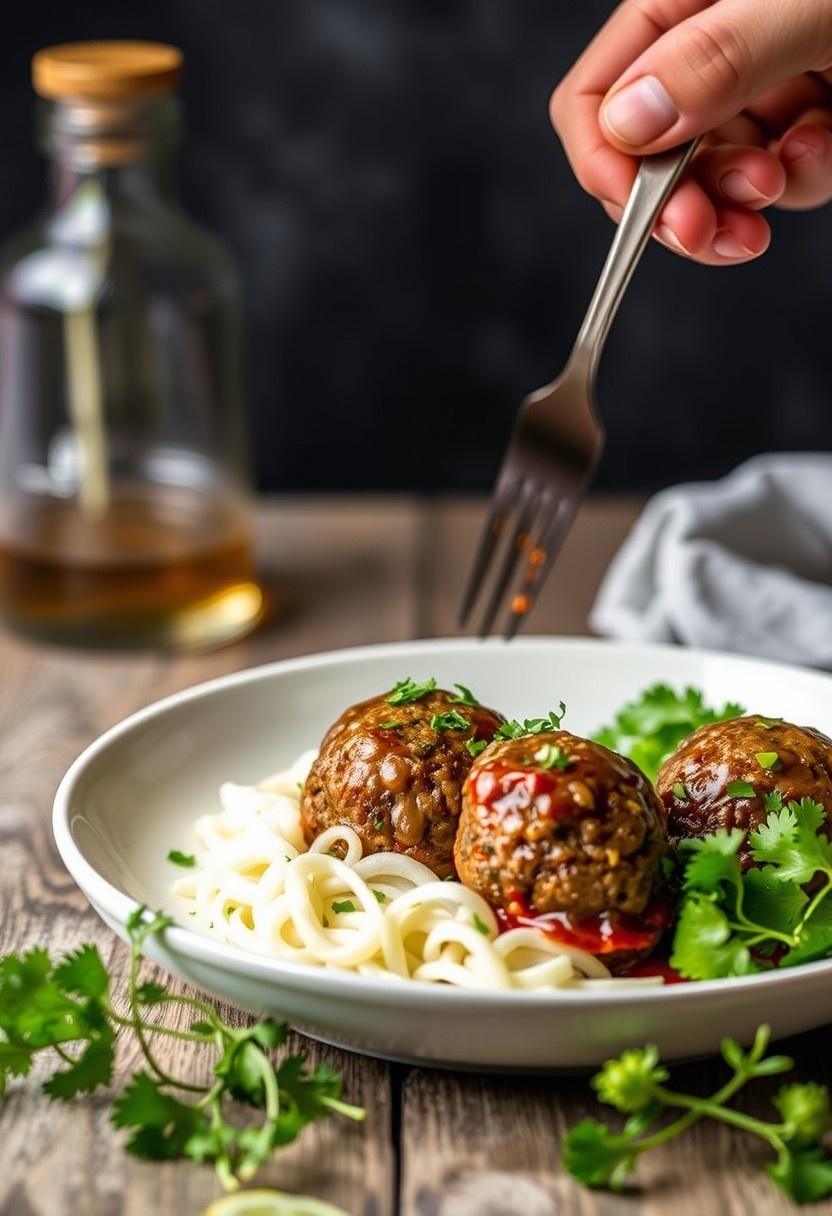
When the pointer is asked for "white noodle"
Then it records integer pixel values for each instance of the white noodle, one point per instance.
(257, 886)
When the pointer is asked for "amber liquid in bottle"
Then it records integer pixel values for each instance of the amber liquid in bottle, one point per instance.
(169, 568)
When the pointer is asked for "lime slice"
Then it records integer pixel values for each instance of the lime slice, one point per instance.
(271, 1203)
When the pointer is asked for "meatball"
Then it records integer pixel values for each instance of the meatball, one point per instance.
(556, 824)
(697, 782)
(394, 774)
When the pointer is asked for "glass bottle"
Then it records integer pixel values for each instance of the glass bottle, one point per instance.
(123, 506)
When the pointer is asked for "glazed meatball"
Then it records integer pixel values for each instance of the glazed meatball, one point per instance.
(696, 782)
(394, 773)
(552, 823)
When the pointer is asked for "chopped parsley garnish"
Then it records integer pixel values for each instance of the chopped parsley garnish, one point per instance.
(531, 726)
(408, 690)
(466, 697)
(740, 789)
(378, 823)
(773, 801)
(475, 746)
(648, 729)
(181, 859)
(769, 760)
(390, 725)
(768, 723)
(342, 905)
(680, 791)
(481, 926)
(552, 756)
(635, 1085)
(380, 896)
(67, 1005)
(452, 720)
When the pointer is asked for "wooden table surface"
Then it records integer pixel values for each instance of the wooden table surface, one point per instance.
(348, 571)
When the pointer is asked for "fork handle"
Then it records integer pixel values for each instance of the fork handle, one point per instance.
(655, 179)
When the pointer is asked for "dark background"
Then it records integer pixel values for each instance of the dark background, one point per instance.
(416, 254)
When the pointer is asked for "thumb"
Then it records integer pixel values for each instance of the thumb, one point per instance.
(706, 69)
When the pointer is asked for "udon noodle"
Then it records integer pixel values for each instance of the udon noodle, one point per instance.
(258, 886)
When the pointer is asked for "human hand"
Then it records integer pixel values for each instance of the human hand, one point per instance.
(755, 75)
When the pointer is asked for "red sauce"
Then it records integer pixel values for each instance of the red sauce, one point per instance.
(599, 935)
(646, 967)
(496, 783)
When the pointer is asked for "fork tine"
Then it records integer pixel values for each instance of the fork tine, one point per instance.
(542, 556)
(499, 513)
(518, 542)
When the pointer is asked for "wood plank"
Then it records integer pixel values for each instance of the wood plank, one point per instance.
(449, 534)
(344, 575)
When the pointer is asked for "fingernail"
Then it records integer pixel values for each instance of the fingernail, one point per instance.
(726, 245)
(736, 186)
(796, 149)
(669, 237)
(641, 112)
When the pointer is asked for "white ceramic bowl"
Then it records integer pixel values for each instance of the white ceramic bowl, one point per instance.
(135, 793)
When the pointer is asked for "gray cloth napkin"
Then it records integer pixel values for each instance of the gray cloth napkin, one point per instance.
(742, 564)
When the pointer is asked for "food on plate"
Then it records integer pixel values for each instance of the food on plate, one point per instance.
(732, 774)
(567, 877)
(258, 885)
(648, 728)
(392, 769)
(557, 827)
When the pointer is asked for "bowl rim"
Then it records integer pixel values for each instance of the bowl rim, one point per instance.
(178, 941)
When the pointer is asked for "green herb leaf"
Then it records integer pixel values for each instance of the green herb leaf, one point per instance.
(594, 1155)
(452, 720)
(531, 726)
(805, 1108)
(408, 690)
(680, 792)
(805, 1175)
(466, 697)
(649, 728)
(704, 947)
(768, 760)
(740, 789)
(773, 801)
(481, 926)
(768, 723)
(343, 905)
(83, 973)
(181, 859)
(475, 746)
(390, 725)
(552, 756)
(380, 896)
(628, 1082)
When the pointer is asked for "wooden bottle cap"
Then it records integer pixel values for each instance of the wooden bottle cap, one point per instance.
(113, 71)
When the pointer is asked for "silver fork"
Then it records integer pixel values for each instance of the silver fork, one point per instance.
(557, 438)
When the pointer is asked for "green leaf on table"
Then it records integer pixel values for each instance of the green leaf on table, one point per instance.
(163, 1124)
(93, 1067)
(596, 1156)
(805, 1174)
(82, 972)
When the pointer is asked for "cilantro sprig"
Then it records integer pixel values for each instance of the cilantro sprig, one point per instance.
(730, 921)
(408, 690)
(65, 1006)
(633, 1083)
(649, 728)
(531, 726)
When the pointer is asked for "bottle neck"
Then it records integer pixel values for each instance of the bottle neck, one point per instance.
(127, 148)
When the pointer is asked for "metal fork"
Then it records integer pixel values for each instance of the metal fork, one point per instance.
(557, 438)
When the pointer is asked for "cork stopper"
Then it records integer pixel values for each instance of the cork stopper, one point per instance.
(105, 71)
